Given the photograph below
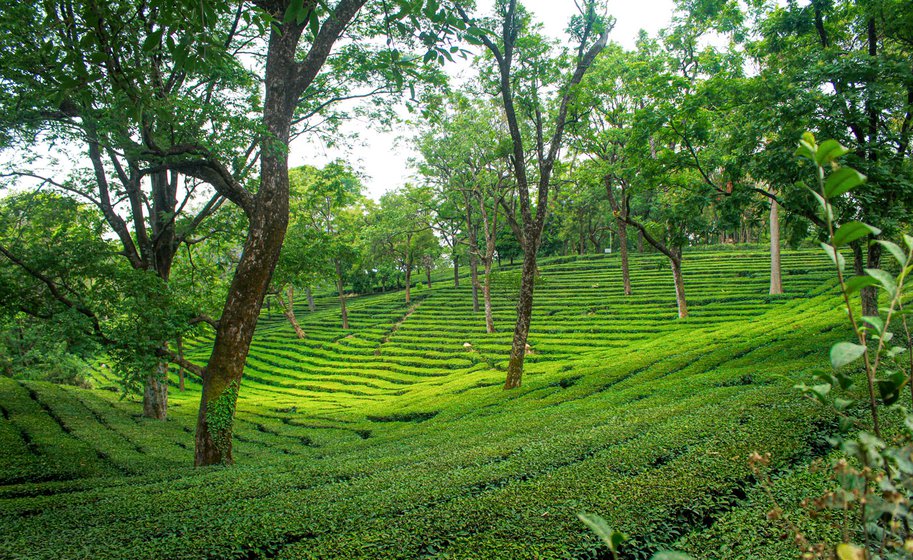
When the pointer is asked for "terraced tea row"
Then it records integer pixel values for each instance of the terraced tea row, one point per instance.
(394, 440)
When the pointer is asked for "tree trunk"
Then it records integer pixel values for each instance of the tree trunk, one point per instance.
(474, 277)
(180, 343)
(289, 310)
(428, 275)
(776, 278)
(268, 214)
(679, 286)
(456, 271)
(310, 296)
(486, 293)
(408, 283)
(621, 217)
(640, 242)
(155, 393)
(524, 316)
(869, 294)
(340, 289)
(623, 248)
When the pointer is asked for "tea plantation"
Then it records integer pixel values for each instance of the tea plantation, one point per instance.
(395, 440)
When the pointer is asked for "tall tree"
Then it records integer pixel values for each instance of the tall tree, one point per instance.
(464, 159)
(527, 85)
(109, 80)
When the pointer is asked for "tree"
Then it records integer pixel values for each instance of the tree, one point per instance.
(842, 68)
(325, 195)
(464, 158)
(398, 226)
(111, 79)
(527, 85)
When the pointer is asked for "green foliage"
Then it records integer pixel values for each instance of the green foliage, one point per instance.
(875, 474)
(220, 417)
(652, 417)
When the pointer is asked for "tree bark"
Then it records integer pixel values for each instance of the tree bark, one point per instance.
(456, 271)
(869, 294)
(486, 293)
(180, 344)
(428, 275)
(623, 249)
(524, 316)
(155, 393)
(289, 310)
(490, 225)
(776, 277)
(268, 219)
(679, 285)
(409, 283)
(310, 297)
(474, 277)
(621, 216)
(340, 289)
(473, 252)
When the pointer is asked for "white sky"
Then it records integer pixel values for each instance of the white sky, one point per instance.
(383, 157)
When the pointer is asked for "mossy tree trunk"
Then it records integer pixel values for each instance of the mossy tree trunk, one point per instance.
(286, 78)
(155, 393)
(524, 316)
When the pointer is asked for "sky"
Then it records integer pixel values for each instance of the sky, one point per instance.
(383, 157)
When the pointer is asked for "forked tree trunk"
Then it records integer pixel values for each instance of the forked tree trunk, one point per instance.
(155, 393)
(524, 316)
(290, 311)
(268, 214)
(679, 285)
(340, 289)
(776, 277)
(310, 297)
(533, 224)
(623, 249)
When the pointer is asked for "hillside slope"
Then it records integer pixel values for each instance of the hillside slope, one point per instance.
(394, 439)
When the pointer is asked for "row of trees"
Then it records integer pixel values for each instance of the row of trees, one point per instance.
(186, 216)
(687, 139)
